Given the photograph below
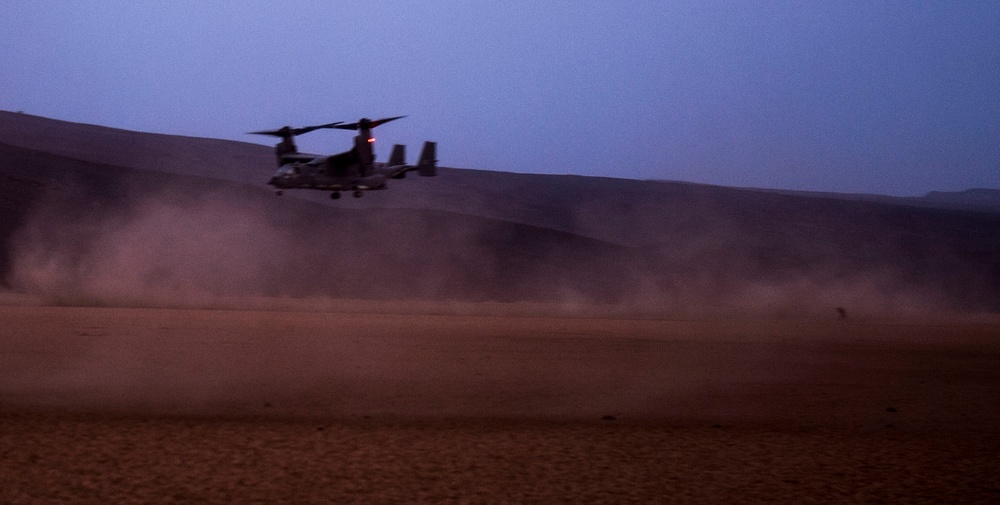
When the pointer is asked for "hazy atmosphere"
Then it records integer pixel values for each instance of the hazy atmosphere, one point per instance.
(693, 251)
(897, 98)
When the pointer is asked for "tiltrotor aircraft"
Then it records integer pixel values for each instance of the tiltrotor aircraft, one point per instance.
(354, 170)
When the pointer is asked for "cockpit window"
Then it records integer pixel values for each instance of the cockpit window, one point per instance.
(290, 169)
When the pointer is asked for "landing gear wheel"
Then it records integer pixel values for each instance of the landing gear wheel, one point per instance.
(335, 195)
(358, 193)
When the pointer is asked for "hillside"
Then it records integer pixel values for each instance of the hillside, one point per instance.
(98, 215)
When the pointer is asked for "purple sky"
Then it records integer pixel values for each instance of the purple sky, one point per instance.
(894, 97)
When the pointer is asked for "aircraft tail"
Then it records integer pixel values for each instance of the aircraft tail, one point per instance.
(427, 165)
(398, 156)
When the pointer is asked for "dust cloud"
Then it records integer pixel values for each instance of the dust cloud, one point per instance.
(163, 249)
(239, 247)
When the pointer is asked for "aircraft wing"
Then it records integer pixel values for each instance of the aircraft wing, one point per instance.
(396, 171)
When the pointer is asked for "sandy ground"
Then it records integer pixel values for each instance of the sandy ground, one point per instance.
(233, 406)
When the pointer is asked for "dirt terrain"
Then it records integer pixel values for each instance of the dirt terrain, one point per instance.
(355, 402)
(173, 332)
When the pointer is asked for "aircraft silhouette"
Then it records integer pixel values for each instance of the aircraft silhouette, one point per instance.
(354, 170)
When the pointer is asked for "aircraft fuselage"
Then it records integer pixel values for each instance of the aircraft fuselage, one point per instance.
(325, 173)
(354, 170)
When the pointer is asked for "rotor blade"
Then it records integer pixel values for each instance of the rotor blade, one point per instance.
(307, 129)
(280, 132)
(288, 131)
(369, 122)
(385, 120)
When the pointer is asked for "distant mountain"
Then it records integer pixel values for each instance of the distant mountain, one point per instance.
(975, 200)
(971, 199)
(106, 215)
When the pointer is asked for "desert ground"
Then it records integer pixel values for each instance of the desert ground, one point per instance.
(171, 331)
(478, 403)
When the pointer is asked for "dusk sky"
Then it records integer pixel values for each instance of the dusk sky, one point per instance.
(892, 97)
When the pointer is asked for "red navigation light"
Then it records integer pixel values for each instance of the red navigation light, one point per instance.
(371, 140)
